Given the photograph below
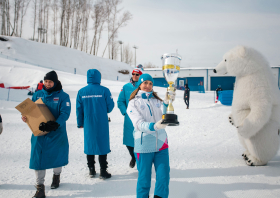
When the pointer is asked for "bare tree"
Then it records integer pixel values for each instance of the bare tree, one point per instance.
(3, 17)
(86, 9)
(35, 4)
(114, 24)
(54, 7)
(127, 54)
(23, 7)
(6, 26)
(99, 18)
(63, 10)
(8, 18)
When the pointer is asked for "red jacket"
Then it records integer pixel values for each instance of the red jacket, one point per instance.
(40, 86)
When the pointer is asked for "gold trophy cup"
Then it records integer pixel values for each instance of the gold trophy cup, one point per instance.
(170, 68)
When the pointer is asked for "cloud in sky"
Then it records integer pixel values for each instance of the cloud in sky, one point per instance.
(202, 31)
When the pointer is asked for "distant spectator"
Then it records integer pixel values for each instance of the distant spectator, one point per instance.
(1, 125)
(217, 93)
(40, 86)
(140, 67)
(187, 95)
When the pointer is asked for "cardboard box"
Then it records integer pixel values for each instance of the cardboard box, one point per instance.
(36, 113)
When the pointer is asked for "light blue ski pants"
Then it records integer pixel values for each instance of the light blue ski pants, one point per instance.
(145, 162)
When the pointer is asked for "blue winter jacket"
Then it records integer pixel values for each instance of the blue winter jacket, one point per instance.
(123, 101)
(93, 104)
(52, 149)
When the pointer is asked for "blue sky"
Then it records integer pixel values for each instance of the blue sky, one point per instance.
(202, 31)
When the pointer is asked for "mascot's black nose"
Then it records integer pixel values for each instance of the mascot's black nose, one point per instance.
(214, 71)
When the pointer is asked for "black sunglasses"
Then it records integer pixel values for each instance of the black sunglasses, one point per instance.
(135, 74)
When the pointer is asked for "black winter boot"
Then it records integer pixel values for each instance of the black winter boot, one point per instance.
(55, 181)
(92, 172)
(104, 174)
(132, 163)
(157, 196)
(40, 193)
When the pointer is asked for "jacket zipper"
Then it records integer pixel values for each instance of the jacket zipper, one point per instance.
(154, 121)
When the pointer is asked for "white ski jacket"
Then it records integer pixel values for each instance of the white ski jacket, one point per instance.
(144, 111)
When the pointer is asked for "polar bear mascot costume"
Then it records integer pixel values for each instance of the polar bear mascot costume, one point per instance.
(256, 103)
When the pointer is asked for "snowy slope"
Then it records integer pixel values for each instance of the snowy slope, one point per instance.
(61, 58)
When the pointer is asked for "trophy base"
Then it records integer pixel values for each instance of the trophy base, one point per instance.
(170, 119)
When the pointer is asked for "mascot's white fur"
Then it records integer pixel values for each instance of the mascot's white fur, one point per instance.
(255, 105)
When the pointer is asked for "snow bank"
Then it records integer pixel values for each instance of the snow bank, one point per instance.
(61, 58)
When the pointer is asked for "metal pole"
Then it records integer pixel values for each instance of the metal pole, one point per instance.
(120, 42)
(135, 47)
(8, 94)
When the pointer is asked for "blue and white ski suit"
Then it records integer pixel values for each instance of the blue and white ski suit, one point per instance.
(150, 146)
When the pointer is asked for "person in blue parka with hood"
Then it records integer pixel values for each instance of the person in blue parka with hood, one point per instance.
(93, 104)
(123, 100)
(50, 150)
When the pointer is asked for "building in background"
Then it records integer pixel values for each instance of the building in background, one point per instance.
(205, 77)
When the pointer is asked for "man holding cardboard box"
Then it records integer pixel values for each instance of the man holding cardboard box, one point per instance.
(52, 149)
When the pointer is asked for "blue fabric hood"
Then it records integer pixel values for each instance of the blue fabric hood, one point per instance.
(93, 76)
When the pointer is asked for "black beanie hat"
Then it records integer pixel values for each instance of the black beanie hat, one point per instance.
(51, 76)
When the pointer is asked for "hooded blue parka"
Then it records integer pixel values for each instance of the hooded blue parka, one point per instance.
(123, 101)
(52, 149)
(93, 104)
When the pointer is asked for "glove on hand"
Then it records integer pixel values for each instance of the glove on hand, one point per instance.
(159, 126)
(49, 126)
(172, 97)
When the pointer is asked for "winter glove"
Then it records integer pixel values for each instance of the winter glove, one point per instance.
(49, 126)
(159, 126)
(172, 97)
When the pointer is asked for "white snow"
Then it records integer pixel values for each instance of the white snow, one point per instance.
(61, 58)
(204, 151)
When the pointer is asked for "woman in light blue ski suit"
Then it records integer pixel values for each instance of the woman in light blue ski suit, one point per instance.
(150, 138)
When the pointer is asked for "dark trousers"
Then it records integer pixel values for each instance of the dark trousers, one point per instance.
(102, 161)
(186, 99)
(131, 152)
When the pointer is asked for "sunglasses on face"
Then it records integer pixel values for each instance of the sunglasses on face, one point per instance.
(135, 74)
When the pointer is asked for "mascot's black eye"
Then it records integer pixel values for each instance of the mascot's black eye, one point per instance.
(225, 60)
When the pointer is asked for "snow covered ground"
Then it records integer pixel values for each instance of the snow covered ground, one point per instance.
(61, 58)
(205, 154)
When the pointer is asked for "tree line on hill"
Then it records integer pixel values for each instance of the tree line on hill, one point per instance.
(69, 22)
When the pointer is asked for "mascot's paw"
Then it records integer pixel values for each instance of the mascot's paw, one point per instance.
(230, 119)
(245, 154)
(252, 161)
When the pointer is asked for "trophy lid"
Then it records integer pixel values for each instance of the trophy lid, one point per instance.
(169, 55)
